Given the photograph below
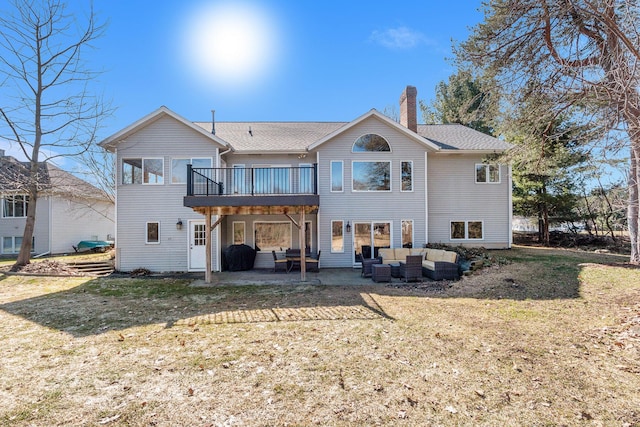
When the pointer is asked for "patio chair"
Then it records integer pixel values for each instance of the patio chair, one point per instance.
(279, 264)
(313, 263)
(366, 266)
(411, 269)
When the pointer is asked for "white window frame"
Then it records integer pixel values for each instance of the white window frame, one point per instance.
(487, 170)
(189, 161)
(146, 233)
(16, 248)
(144, 159)
(244, 232)
(25, 203)
(466, 230)
(255, 243)
(341, 176)
(342, 236)
(412, 231)
(373, 161)
(401, 173)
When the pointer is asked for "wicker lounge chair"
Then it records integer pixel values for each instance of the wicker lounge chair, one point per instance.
(411, 269)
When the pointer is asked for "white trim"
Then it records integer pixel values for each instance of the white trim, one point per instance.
(510, 205)
(255, 243)
(373, 191)
(412, 180)
(402, 221)
(25, 203)
(331, 190)
(111, 142)
(466, 230)
(244, 232)
(426, 197)
(189, 161)
(371, 223)
(374, 113)
(343, 236)
(146, 233)
(487, 167)
(366, 152)
(163, 172)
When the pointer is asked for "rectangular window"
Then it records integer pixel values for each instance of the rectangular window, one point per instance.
(238, 232)
(15, 206)
(179, 168)
(11, 244)
(371, 176)
(337, 236)
(131, 171)
(407, 176)
(272, 236)
(153, 171)
(466, 230)
(407, 233)
(153, 232)
(489, 174)
(337, 176)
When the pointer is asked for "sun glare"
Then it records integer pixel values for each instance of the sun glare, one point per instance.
(232, 44)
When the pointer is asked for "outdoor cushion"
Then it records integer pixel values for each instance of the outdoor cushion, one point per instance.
(387, 254)
(402, 253)
(418, 251)
(429, 264)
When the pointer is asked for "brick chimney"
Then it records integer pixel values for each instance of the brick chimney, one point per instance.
(408, 113)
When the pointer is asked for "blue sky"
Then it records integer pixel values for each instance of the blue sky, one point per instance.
(327, 61)
(270, 60)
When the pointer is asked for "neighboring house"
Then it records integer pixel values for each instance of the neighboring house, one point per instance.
(357, 186)
(68, 209)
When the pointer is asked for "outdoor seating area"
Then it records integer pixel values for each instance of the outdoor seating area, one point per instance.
(292, 261)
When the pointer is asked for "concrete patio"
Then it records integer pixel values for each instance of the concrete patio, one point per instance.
(326, 276)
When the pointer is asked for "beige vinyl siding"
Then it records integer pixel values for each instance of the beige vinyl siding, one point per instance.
(137, 204)
(350, 206)
(264, 259)
(14, 227)
(455, 196)
(76, 220)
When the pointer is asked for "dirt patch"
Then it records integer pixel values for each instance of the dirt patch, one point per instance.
(46, 268)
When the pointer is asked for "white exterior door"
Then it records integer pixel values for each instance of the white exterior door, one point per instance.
(197, 246)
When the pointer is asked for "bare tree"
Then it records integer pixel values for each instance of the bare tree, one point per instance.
(47, 109)
(583, 53)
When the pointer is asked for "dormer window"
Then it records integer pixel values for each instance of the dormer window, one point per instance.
(370, 142)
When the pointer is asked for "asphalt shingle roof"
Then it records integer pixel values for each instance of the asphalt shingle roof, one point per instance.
(459, 137)
(14, 179)
(272, 136)
(297, 136)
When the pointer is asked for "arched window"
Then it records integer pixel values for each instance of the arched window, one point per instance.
(370, 142)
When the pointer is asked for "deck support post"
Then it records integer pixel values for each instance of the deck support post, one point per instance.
(303, 252)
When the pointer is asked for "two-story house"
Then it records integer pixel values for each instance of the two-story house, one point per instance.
(345, 189)
(68, 209)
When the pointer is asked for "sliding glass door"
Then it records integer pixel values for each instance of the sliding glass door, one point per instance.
(368, 237)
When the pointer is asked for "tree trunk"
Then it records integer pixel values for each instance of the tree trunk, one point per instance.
(633, 217)
(24, 256)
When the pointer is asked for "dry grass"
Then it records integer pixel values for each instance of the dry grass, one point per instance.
(550, 339)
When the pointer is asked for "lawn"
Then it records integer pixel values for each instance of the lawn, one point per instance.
(551, 337)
